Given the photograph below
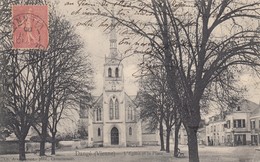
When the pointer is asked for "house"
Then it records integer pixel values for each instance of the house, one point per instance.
(234, 127)
(238, 130)
(255, 126)
(183, 137)
(215, 131)
(201, 133)
(201, 136)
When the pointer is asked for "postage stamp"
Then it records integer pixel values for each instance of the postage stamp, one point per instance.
(30, 26)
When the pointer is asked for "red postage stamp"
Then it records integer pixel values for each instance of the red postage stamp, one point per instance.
(30, 26)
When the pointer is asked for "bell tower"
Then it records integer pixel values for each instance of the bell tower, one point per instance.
(113, 95)
(113, 67)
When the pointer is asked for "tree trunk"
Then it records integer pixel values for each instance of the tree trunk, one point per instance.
(176, 138)
(53, 144)
(168, 135)
(193, 144)
(161, 136)
(22, 149)
(42, 148)
(43, 138)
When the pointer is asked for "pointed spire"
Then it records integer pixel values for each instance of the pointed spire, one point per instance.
(113, 27)
(113, 38)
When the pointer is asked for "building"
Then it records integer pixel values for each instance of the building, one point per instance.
(201, 136)
(236, 127)
(255, 127)
(201, 133)
(215, 131)
(238, 123)
(113, 119)
(183, 137)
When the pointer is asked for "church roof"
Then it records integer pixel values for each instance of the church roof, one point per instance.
(98, 101)
(131, 98)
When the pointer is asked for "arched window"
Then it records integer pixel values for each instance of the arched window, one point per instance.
(109, 72)
(130, 113)
(111, 111)
(130, 131)
(99, 132)
(117, 72)
(116, 109)
(99, 114)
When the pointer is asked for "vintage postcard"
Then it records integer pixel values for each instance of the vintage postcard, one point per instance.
(130, 80)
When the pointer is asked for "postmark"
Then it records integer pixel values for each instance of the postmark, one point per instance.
(30, 26)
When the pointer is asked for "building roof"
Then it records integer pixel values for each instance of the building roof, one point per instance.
(98, 100)
(246, 106)
(130, 99)
(217, 118)
(256, 112)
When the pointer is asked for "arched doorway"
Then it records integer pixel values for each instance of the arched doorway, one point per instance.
(114, 136)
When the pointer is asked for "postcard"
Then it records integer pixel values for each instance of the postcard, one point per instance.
(108, 80)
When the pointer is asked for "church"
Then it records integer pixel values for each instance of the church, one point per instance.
(113, 119)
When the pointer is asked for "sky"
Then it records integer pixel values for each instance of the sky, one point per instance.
(97, 46)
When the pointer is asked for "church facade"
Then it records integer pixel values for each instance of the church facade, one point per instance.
(113, 119)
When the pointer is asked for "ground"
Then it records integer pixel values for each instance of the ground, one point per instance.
(146, 154)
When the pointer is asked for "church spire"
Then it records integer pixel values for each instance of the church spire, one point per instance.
(113, 39)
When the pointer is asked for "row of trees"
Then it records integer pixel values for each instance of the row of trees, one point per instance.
(42, 86)
(203, 47)
(158, 108)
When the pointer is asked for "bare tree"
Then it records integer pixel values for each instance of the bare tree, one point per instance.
(22, 92)
(35, 77)
(74, 77)
(152, 109)
(198, 44)
(158, 106)
(66, 76)
(19, 81)
(200, 59)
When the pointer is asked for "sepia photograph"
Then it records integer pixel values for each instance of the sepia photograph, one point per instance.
(130, 80)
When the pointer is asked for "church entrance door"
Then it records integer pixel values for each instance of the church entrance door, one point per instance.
(114, 136)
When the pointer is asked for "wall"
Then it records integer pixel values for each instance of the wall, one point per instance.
(215, 132)
(132, 140)
(150, 139)
(96, 138)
